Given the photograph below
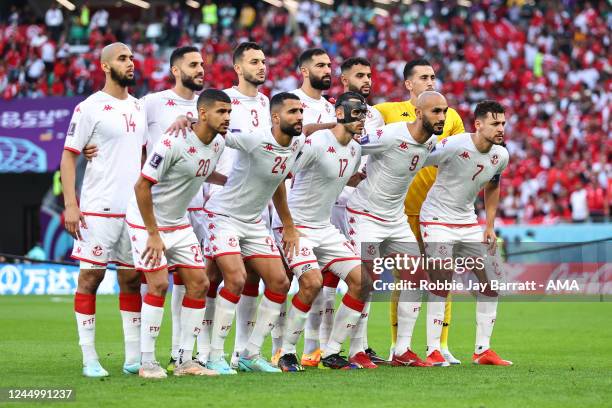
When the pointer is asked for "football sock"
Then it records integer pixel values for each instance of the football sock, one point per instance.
(294, 325)
(192, 315)
(225, 309)
(346, 320)
(130, 305)
(151, 315)
(267, 317)
(85, 312)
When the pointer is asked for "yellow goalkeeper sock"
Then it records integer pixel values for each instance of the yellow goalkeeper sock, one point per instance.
(447, 320)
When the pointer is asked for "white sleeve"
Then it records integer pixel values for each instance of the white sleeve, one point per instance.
(440, 153)
(378, 141)
(373, 120)
(80, 130)
(241, 140)
(306, 157)
(153, 131)
(162, 157)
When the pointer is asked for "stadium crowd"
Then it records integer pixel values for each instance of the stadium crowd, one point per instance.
(546, 62)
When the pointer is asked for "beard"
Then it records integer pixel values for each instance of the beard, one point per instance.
(189, 83)
(291, 130)
(322, 84)
(122, 80)
(359, 91)
(429, 127)
(252, 79)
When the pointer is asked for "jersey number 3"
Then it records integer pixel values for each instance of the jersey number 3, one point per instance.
(255, 121)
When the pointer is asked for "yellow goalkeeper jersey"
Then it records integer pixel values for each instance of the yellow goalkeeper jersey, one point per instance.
(404, 112)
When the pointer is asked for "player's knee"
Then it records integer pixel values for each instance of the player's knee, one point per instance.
(279, 284)
(89, 280)
(311, 283)
(198, 286)
(234, 282)
(157, 287)
(129, 280)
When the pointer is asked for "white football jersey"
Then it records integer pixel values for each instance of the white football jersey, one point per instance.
(462, 173)
(261, 165)
(319, 174)
(118, 128)
(316, 110)
(373, 121)
(162, 110)
(394, 158)
(177, 167)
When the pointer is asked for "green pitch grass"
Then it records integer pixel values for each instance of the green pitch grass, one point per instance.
(562, 354)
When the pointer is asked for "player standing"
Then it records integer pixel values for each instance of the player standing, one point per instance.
(467, 163)
(115, 121)
(419, 76)
(162, 237)
(328, 161)
(319, 113)
(236, 234)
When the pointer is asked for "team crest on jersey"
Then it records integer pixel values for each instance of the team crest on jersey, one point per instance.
(97, 250)
(137, 106)
(403, 145)
(444, 142)
(371, 250)
(494, 159)
(155, 161)
(216, 147)
(233, 242)
(369, 114)
(429, 145)
(262, 101)
(294, 146)
(465, 155)
(327, 108)
(192, 150)
(71, 129)
(353, 151)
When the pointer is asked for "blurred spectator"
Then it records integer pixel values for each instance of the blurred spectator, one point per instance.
(54, 19)
(579, 205)
(247, 16)
(99, 20)
(174, 24)
(209, 14)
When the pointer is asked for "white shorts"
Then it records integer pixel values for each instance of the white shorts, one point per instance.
(226, 235)
(197, 220)
(374, 237)
(182, 249)
(444, 241)
(321, 246)
(105, 240)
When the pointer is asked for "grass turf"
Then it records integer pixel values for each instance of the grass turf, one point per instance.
(562, 354)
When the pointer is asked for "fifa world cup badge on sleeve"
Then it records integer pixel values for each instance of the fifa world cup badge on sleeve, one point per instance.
(155, 160)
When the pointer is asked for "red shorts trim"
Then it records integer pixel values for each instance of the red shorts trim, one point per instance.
(122, 264)
(93, 214)
(73, 150)
(246, 258)
(151, 179)
(180, 227)
(366, 214)
(225, 253)
(89, 260)
(194, 209)
(172, 267)
(352, 258)
(159, 268)
(301, 263)
(449, 225)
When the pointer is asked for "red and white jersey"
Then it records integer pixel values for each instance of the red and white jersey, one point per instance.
(261, 165)
(319, 175)
(374, 120)
(177, 167)
(394, 158)
(316, 110)
(162, 110)
(118, 128)
(462, 173)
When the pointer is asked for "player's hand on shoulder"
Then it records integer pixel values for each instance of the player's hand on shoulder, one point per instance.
(356, 179)
(179, 126)
(90, 151)
(154, 250)
(73, 219)
(291, 241)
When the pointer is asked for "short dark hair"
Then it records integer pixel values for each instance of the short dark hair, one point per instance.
(351, 62)
(347, 96)
(242, 48)
(409, 67)
(280, 98)
(307, 55)
(209, 96)
(486, 106)
(180, 52)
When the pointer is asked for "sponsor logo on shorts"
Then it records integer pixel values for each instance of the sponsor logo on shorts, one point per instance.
(155, 161)
(306, 268)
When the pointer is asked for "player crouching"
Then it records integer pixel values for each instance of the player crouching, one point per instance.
(162, 237)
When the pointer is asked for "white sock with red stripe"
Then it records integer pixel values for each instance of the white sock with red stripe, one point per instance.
(327, 320)
(151, 318)
(294, 327)
(245, 316)
(408, 309)
(192, 315)
(362, 326)
(130, 305)
(178, 292)
(486, 313)
(313, 323)
(225, 309)
(85, 312)
(435, 321)
(267, 317)
(346, 320)
(203, 340)
(279, 329)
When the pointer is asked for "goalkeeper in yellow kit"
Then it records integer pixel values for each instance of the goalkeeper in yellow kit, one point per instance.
(419, 76)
